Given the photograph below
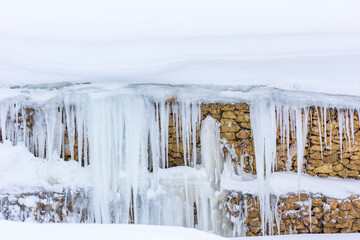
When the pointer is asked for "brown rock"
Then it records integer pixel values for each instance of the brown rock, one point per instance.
(228, 136)
(243, 134)
(230, 128)
(254, 213)
(354, 173)
(255, 223)
(316, 163)
(330, 224)
(333, 204)
(346, 224)
(341, 220)
(227, 121)
(327, 217)
(343, 213)
(354, 214)
(331, 230)
(326, 168)
(353, 166)
(245, 125)
(317, 148)
(334, 214)
(356, 203)
(338, 167)
(356, 226)
(243, 118)
(228, 107)
(229, 115)
(345, 206)
(344, 173)
(315, 156)
(317, 210)
(332, 158)
(317, 202)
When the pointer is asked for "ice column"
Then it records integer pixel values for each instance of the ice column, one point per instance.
(263, 123)
(211, 157)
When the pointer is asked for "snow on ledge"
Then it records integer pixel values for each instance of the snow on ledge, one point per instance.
(287, 182)
(21, 172)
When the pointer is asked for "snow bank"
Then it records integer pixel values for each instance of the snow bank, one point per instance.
(302, 45)
(21, 172)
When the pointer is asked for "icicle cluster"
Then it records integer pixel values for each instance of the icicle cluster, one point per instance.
(42, 128)
(128, 154)
(125, 140)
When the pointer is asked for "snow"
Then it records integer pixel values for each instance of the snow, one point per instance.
(112, 64)
(302, 45)
(136, 232)
(140, 19)
(21, 172)
(317, 63)
(282, 183)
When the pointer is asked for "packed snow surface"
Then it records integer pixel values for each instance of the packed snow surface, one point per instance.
(32, 231)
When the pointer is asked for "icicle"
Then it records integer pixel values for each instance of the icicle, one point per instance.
(325, 123)
(52, 135)
(301, 132)
(347, 129)
(263, 124)
(210, 150)
(352, 126)
(164, 112)
(195, 120)
(287, 129)
(80, 130)
(340, 120)
(310, 211)
(319, 120)
(3, 116)
(331, 124)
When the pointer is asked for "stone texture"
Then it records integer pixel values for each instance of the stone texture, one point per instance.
(294, 214)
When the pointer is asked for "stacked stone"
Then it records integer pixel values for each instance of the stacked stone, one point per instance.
(30, 114)
(287, 148)
(323, 155)
(66, 152)
(326, 215)
(175, 143)
(235, 131)
(333, 157)
(45, 207)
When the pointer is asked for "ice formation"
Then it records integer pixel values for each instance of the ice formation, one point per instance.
(121, 138)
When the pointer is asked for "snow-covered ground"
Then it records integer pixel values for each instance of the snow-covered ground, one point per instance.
(16, 230)
(302, 45)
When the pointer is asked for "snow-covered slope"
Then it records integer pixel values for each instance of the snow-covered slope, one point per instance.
(302, 45)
